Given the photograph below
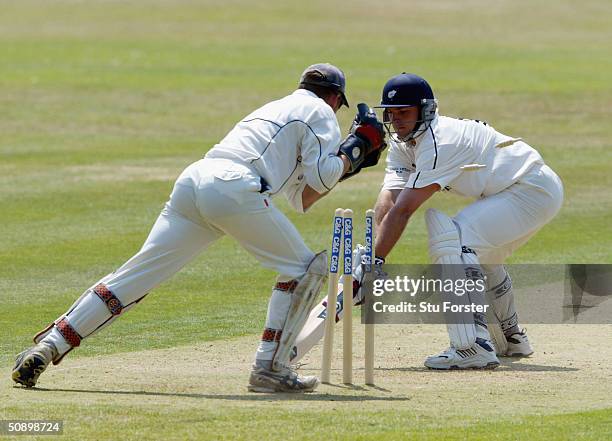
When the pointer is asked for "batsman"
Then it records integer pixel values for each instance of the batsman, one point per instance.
(513, 192)
(291, 146)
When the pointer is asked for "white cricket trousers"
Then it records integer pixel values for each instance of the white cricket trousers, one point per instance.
(497, 225)
(211, 198)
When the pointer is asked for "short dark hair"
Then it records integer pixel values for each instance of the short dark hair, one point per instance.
(320, 91)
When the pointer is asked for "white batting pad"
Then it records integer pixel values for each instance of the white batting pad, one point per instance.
(445, 250)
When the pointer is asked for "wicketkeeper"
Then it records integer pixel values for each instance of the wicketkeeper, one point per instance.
(291, 146)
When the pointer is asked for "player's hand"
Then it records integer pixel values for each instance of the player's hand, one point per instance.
(367, 125)
(366, 137)
(359, 261)
(378, 268)
(370, 161)
(358, 273)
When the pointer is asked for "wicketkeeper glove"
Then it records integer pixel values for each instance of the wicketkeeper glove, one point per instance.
(369, 161)
(365, 140)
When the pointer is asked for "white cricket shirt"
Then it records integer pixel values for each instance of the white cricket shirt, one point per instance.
(450, 144)
(290, 142)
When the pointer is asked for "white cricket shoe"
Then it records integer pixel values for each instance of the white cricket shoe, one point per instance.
(480, 356)
(518, 345)
(285, 380)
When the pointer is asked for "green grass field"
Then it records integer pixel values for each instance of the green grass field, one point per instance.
(103, 103)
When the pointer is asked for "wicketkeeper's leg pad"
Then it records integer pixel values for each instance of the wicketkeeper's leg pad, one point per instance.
(278, 308)
(95, 309)
(303, 298)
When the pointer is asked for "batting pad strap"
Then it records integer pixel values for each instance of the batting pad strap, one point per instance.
(113, 304)
(273, 335)
(286, 286)
(68, 332)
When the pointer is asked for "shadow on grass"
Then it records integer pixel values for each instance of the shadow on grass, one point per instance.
(507, 364)
(239, 397)
(356, 387)
(514, 364)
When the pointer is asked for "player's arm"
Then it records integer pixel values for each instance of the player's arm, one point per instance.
(322, 168)
(399, 167)
(310, 195)
(384, 203)
(394, 223)
(364, 143)
(362, 147)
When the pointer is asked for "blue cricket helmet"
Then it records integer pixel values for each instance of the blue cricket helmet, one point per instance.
(405, 90)
(409, 90)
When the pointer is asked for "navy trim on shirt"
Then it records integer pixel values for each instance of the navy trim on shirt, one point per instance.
(435, 162)
(281, 127)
